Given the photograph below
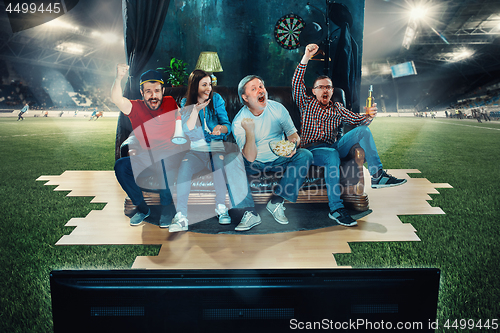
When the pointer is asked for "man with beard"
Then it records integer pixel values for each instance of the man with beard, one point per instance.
(153, 121)
(258, 123)
(321, 119)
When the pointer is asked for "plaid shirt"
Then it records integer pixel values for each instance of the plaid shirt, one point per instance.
(320, 124)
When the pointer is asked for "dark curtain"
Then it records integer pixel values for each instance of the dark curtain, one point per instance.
(142, 25)
(345, 67)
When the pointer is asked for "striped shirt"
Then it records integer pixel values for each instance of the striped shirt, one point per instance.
(320, 124)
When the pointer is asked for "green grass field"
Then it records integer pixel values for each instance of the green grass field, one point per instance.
(463, 243)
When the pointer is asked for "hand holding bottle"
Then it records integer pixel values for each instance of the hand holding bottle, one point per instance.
(371, 106)
(371, 111)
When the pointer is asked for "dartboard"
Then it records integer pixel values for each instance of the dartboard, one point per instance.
(287, 31)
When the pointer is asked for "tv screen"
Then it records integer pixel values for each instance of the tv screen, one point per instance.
(244, 300)
(403, 69)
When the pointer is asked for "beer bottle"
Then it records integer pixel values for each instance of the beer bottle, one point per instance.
(370, 99)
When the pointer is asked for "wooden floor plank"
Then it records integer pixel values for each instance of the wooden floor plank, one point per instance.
(189, 250)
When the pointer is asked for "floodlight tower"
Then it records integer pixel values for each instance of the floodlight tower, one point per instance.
(416, 14)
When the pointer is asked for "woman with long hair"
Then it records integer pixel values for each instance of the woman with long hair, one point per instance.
(205, 122)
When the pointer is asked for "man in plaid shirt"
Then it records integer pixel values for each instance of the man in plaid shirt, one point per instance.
(321, 119)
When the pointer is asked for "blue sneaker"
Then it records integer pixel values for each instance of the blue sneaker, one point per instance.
(342, 216)
(165, 217)
(139, 218)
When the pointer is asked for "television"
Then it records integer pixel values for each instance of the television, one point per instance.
(266, 300)
(403, 69)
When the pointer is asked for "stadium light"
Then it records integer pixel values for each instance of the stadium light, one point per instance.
(72, 48)
(410, 33)
(57, 24)
(418, 13)
(109, 38)
(496, 28)
(461, 54)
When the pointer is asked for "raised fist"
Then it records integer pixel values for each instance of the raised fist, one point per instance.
(311, 50)
(121, 70)
(248, 124)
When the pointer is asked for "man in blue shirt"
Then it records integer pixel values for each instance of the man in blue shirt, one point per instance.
(23, 111)
(259, 122)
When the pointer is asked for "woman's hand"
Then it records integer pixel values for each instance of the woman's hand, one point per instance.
(193, 117)
(217, 130)
(200, 106)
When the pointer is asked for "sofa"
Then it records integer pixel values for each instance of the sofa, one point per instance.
(313, 189)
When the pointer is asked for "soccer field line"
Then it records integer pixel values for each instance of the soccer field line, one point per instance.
(444, 122)
(48, 134)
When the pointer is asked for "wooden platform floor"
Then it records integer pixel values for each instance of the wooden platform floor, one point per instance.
(188, 250)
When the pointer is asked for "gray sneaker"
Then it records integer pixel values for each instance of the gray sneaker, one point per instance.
(248, 221)
(179, 223)
(278, 211)
(223, 214)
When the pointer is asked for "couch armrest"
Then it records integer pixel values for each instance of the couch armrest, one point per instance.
(351, 171)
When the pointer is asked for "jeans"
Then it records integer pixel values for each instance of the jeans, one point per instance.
(294, 170)
(364, 137)
(237, 182)
(329, 156)
(165, 171)
(194, 162)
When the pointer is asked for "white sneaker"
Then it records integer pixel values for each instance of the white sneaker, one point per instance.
(179, 223)
(278, 211)
(223, 214)
(248, 221)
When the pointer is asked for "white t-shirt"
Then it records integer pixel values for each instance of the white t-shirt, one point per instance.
(273, 124)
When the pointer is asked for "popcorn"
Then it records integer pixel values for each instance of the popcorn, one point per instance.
(282, 147)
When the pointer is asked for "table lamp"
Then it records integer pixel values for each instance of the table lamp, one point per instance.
(210, 63)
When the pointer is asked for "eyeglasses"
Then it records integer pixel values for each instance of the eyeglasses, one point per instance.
(324, 88)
